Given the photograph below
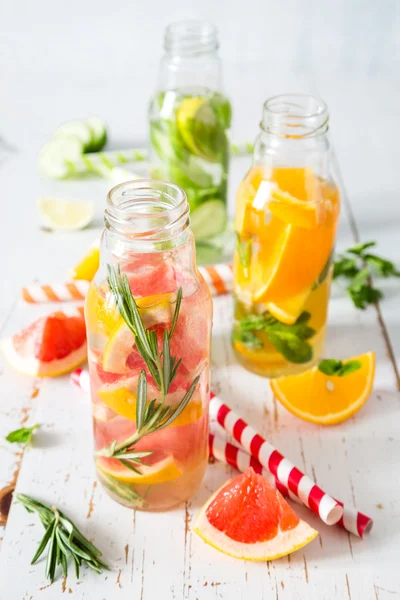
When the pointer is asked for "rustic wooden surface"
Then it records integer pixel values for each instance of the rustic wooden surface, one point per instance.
(156, 555)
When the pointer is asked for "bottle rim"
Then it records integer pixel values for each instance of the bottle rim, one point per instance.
(190, 38)
(146, 210)
(295, 116)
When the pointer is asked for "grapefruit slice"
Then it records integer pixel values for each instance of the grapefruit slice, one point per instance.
(160, 472)
(50, 346)
(153, 310)
(247, 518)
(326, 399)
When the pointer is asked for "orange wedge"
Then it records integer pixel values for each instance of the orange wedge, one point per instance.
(296, 212)
(88, 266)
(122, 400)
(326, 400)
(160, 472)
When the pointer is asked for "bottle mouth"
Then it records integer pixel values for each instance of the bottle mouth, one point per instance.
(190, 38)
(147, 210)
(295, 116)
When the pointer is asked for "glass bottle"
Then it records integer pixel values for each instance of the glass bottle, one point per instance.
(287, 210)
(189, 122)
(148, 247)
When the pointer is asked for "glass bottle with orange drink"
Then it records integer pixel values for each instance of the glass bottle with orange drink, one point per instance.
(148, 317)
(287, 210)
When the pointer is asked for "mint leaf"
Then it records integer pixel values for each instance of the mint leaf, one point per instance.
(345, 267)
(383, 267)
(365, 294)
(21, 436)
(336, 368)
(290, 346)
(248, 339)
(256, 322)
(359, 249)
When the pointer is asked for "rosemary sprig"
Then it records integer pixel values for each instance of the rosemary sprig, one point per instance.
(63, 539)
(150, 416)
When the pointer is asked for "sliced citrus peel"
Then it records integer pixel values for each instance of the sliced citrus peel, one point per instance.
(246, 518)
(122, 400)
(323, 399)
(161, 472)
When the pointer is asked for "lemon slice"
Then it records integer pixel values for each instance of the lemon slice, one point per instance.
(61, 213)
(160, 472)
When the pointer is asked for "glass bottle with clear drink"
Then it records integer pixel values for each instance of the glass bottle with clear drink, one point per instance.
(148, 316)
(287, 210)
(189, 122)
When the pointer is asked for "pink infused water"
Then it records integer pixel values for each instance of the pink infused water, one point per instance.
(174, 457)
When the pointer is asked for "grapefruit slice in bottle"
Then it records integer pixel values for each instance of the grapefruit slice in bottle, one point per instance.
(50, 346)
(247, 518)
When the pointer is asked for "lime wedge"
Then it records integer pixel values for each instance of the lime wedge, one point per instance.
(60, 213)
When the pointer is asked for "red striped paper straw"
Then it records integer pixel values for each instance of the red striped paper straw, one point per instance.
(219, 278)
(323, 505)
(353, 521)
(55, 292)
(80, 378)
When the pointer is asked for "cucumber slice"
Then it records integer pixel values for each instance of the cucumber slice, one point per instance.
(56, 158)
(208, 219)
(98, 131)
(75, 130)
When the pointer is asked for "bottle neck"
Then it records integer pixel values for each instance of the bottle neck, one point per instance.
(191, 58)
(146, 216)
(294, 133)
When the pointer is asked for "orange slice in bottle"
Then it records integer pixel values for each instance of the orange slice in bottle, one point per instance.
(296, 212)
(289, 309)
(161, 472)
(324, 399)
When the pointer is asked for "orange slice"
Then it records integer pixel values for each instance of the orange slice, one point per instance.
(122, 400)
(326, 400)
(101, 312)
(248, 519)
(160, 472)
(288, 310)
(88, 266)
(296, 212)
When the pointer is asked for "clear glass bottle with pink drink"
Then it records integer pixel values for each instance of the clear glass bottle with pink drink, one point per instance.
(148, 317)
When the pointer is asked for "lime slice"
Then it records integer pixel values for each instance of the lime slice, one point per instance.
(75, 130)
(57, 158)
(98, 134)
(208, 219)
(59, 213)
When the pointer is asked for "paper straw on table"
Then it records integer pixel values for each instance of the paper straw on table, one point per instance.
(56, 292)
(353, 521)
(219, 278)
(80, 378)
(323, 505)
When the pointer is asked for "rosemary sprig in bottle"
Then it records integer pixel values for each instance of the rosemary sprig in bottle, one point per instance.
(63, 539)
(163, 367)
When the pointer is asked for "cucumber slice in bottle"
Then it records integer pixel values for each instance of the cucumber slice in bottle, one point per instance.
(56, 158)
(98, 131)
(208, 219)
(75, 130)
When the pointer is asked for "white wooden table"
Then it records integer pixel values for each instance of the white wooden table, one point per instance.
(156, 555)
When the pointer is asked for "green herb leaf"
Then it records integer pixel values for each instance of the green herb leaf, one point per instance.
(22, 436)
(293, 348)
(141, 398)
(249, 339)
(62, 540)
(383, 267)
(345, 267)
(359, 249)
(337, 368)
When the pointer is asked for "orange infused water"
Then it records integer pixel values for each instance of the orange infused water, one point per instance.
(148, 317)
(286, 220)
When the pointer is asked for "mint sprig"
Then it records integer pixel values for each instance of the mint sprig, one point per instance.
(289, 340)
(337, 368)
(358, 265)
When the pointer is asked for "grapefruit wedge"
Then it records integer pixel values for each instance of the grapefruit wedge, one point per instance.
(50, 346)
(248, 519)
